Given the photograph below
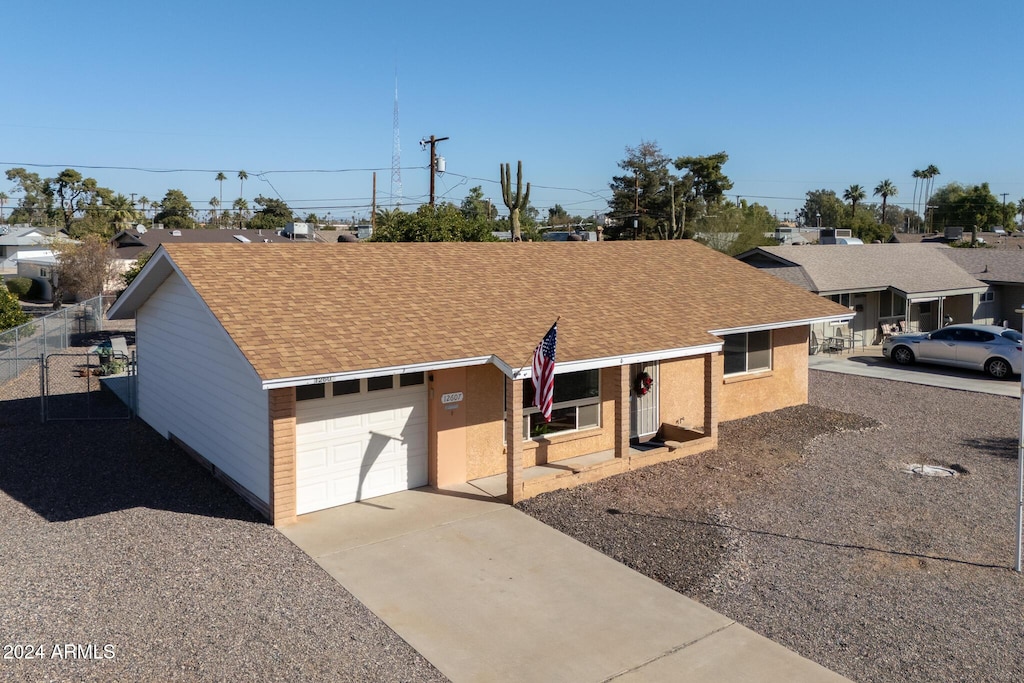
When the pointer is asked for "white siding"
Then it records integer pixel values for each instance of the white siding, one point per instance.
(195, 383)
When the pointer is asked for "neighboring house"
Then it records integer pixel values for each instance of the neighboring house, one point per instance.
(881, 283)
(18, 238)
(130, 244)
(39, 266)
(1003, 271)
(313, 375)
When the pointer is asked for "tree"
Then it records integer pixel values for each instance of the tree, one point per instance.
(967, 206)
(734, 229)
(272, 214)
(476, 206)
(220, 180)
(854, 194)
(74, 193)
(128, 276)
(144, 202)
(443, 223)
(242, 177)
(708, 180)
(885, 189)
(85, 268)
(3, 202)
(929, 176)
(121, 212)
(214, 204)
(242, 208)
(175, 211)
(642, 197)
(36, 203)
(11, 314)
(823, 204)
(514, 202)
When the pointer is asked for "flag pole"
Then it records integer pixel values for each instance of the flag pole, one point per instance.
(515, 373)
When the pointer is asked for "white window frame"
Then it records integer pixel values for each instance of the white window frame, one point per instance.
(747, 370)
(574, 403)
(988, 296)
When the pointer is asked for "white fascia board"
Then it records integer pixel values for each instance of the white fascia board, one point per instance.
(145, 283)
(831, 319)
(375, 372)
(614, 361)
(507, 370)
(932, 296)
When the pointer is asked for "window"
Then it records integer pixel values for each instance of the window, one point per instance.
(378, 383)
(748, 352)
(842, 299)
(891, 305)
(577, 405)
(348, 386)
(410, 379)
(989, 296)
(308, 392)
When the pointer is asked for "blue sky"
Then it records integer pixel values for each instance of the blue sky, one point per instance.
(801, 95)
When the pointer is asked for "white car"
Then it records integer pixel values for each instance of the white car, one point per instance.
(995, 350)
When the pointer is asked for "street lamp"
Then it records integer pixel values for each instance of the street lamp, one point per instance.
(818, 216)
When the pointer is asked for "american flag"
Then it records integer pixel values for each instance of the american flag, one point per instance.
(544, 372)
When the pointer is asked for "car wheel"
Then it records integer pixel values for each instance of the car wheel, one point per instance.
(902, 355)
(998, 368)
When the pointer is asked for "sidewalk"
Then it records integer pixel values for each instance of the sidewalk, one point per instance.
(487, 593)
(869, 362)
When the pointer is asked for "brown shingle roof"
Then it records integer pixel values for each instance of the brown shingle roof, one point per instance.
(316, 309)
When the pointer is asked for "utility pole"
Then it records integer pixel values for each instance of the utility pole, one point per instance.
(433, 161)
(672, 193)
(373, 210)
(636, 205)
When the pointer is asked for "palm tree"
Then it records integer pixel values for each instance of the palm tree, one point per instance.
(929, 174)
(3, 200)
(214, 204)
(122, 212)
(854, 194)
(885, 189)
(242, 207)
(918, 175)
(242, 177)
(144, 202)
(220, 179)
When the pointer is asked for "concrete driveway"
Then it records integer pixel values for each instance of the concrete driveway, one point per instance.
(870, 363)
(486, 593)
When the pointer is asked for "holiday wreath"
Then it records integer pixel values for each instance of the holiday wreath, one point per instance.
(642, 384)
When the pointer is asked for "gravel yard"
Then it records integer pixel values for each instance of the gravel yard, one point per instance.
(802, 526)
(111, 536)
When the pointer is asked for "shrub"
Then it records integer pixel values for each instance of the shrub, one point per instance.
(20, 286)
(11, 314)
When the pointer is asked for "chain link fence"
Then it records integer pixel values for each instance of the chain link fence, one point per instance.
(88, 385)
(21, 347)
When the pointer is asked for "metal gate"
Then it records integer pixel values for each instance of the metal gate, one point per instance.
(88, 386)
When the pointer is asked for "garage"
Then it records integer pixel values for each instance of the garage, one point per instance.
(358, 439)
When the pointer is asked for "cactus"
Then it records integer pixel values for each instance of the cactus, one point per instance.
(514, 202)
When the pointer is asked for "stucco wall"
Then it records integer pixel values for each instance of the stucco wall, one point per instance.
(485, 428)
(681, 394)
(783, 386)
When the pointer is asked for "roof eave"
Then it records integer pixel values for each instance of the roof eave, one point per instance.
(840, 318)
(143, 286)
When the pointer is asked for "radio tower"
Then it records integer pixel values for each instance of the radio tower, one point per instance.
(396, 158)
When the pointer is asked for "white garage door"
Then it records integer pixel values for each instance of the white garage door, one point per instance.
(353, 446)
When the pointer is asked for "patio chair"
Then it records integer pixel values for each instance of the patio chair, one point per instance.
(815, 344)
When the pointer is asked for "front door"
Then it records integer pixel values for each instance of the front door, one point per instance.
(644, 420)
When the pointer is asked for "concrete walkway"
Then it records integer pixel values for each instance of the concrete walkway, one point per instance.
(869, 362)
(487, 593)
